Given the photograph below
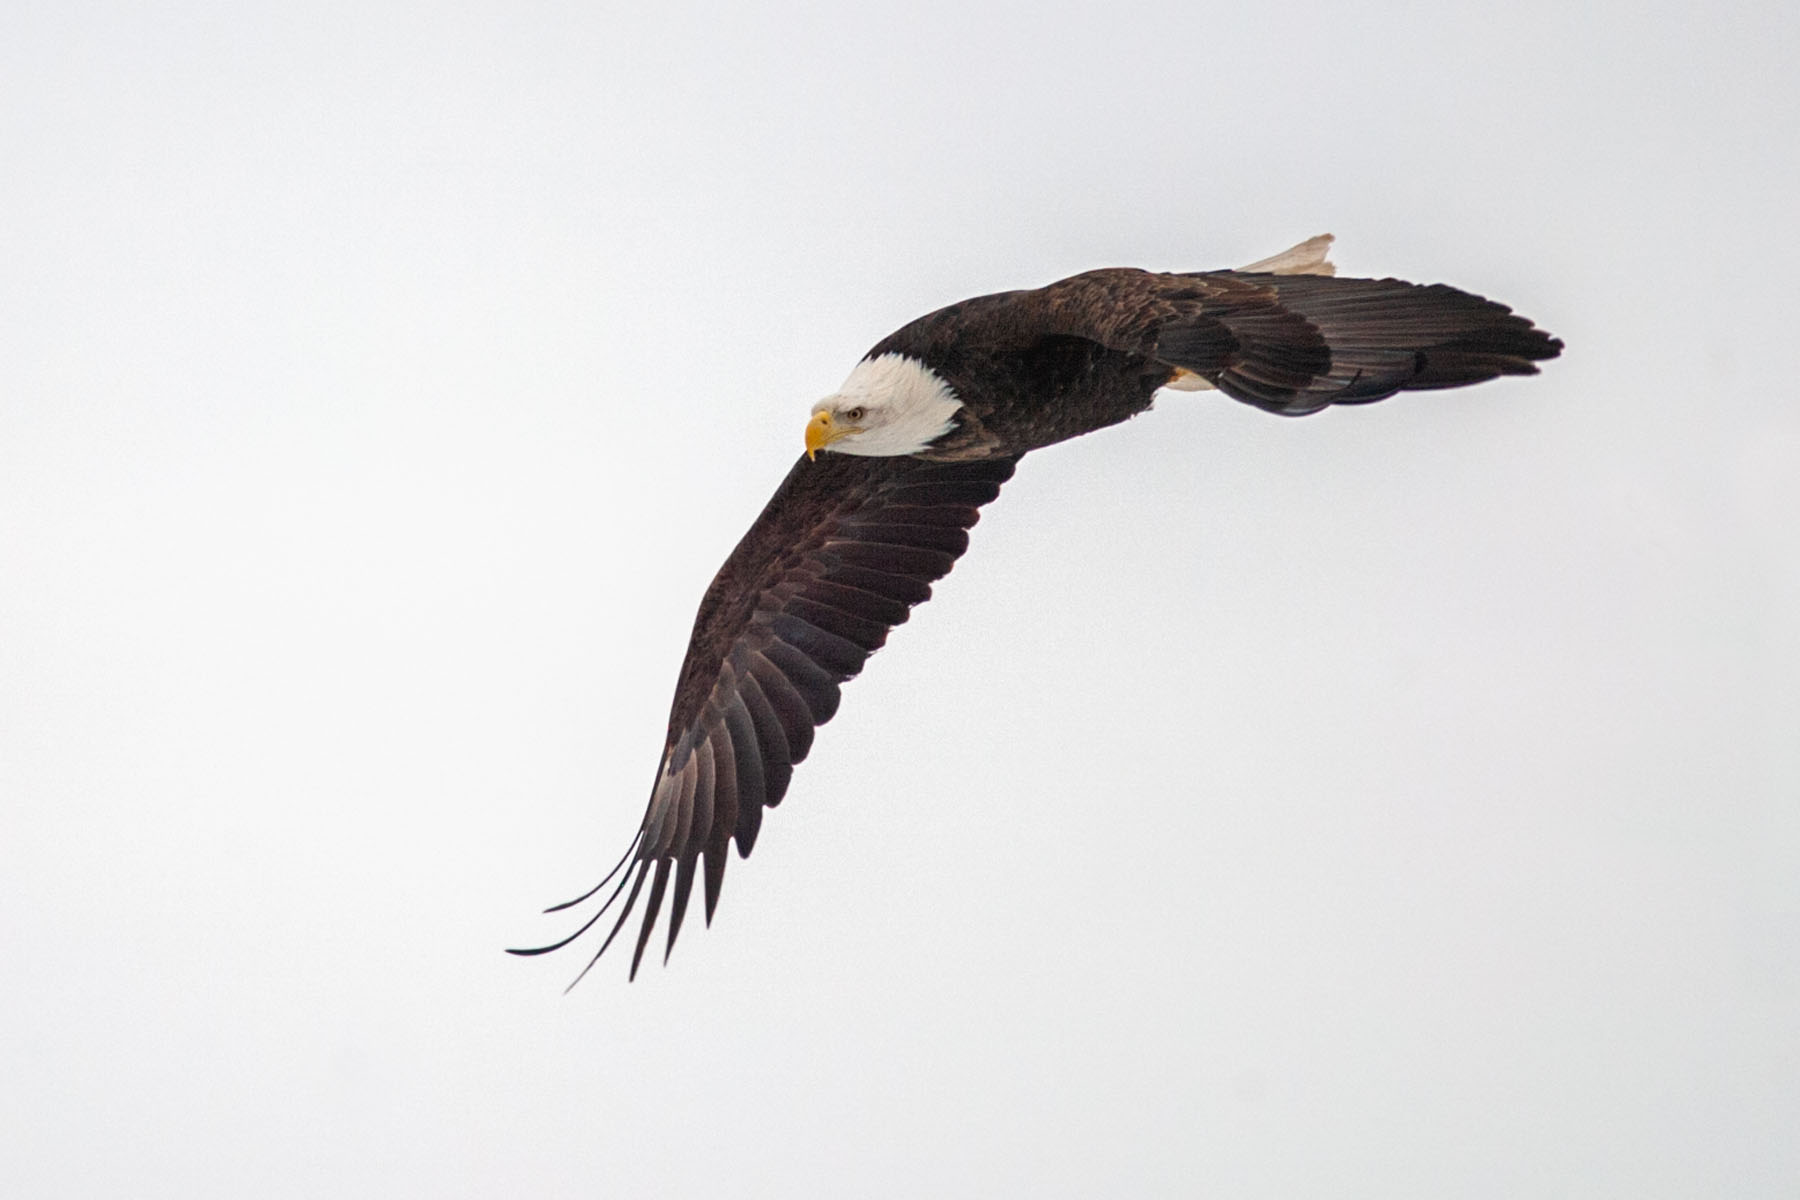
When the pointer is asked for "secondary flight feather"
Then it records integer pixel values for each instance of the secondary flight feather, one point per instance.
(925, 430)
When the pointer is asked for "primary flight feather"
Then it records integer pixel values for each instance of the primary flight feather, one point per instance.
(923, 433)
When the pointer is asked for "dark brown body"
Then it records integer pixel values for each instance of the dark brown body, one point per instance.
(1023, 390)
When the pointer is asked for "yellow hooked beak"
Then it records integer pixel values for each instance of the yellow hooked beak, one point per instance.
(821, 431)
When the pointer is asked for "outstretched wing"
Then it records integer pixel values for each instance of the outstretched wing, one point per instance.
(840, 554)
(1299, 343)
(1293, 343)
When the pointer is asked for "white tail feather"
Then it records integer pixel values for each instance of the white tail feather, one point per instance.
(1187, 381)
(1308, 258)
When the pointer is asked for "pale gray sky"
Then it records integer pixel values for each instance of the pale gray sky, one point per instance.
(1400, 802)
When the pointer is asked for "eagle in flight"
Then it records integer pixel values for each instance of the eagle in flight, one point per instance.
(925, 430)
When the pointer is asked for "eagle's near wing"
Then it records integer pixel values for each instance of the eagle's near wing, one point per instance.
(847, 545)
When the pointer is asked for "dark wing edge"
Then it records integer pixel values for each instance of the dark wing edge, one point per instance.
(840, 555)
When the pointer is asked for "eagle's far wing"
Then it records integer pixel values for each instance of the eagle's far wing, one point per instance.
(843, 550)
(1379, 337)
(1294, 343)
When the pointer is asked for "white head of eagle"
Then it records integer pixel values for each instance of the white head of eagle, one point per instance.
(891, 404)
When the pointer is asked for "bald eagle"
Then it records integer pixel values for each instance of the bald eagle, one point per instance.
(925, 430)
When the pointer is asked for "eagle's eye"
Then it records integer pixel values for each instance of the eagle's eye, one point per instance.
(854, 414)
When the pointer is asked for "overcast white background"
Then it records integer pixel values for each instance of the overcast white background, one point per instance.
(1400, 802)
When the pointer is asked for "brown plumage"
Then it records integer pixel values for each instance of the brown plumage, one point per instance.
(850, 542)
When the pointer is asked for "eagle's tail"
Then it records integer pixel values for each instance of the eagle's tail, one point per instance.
(1311, 257)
